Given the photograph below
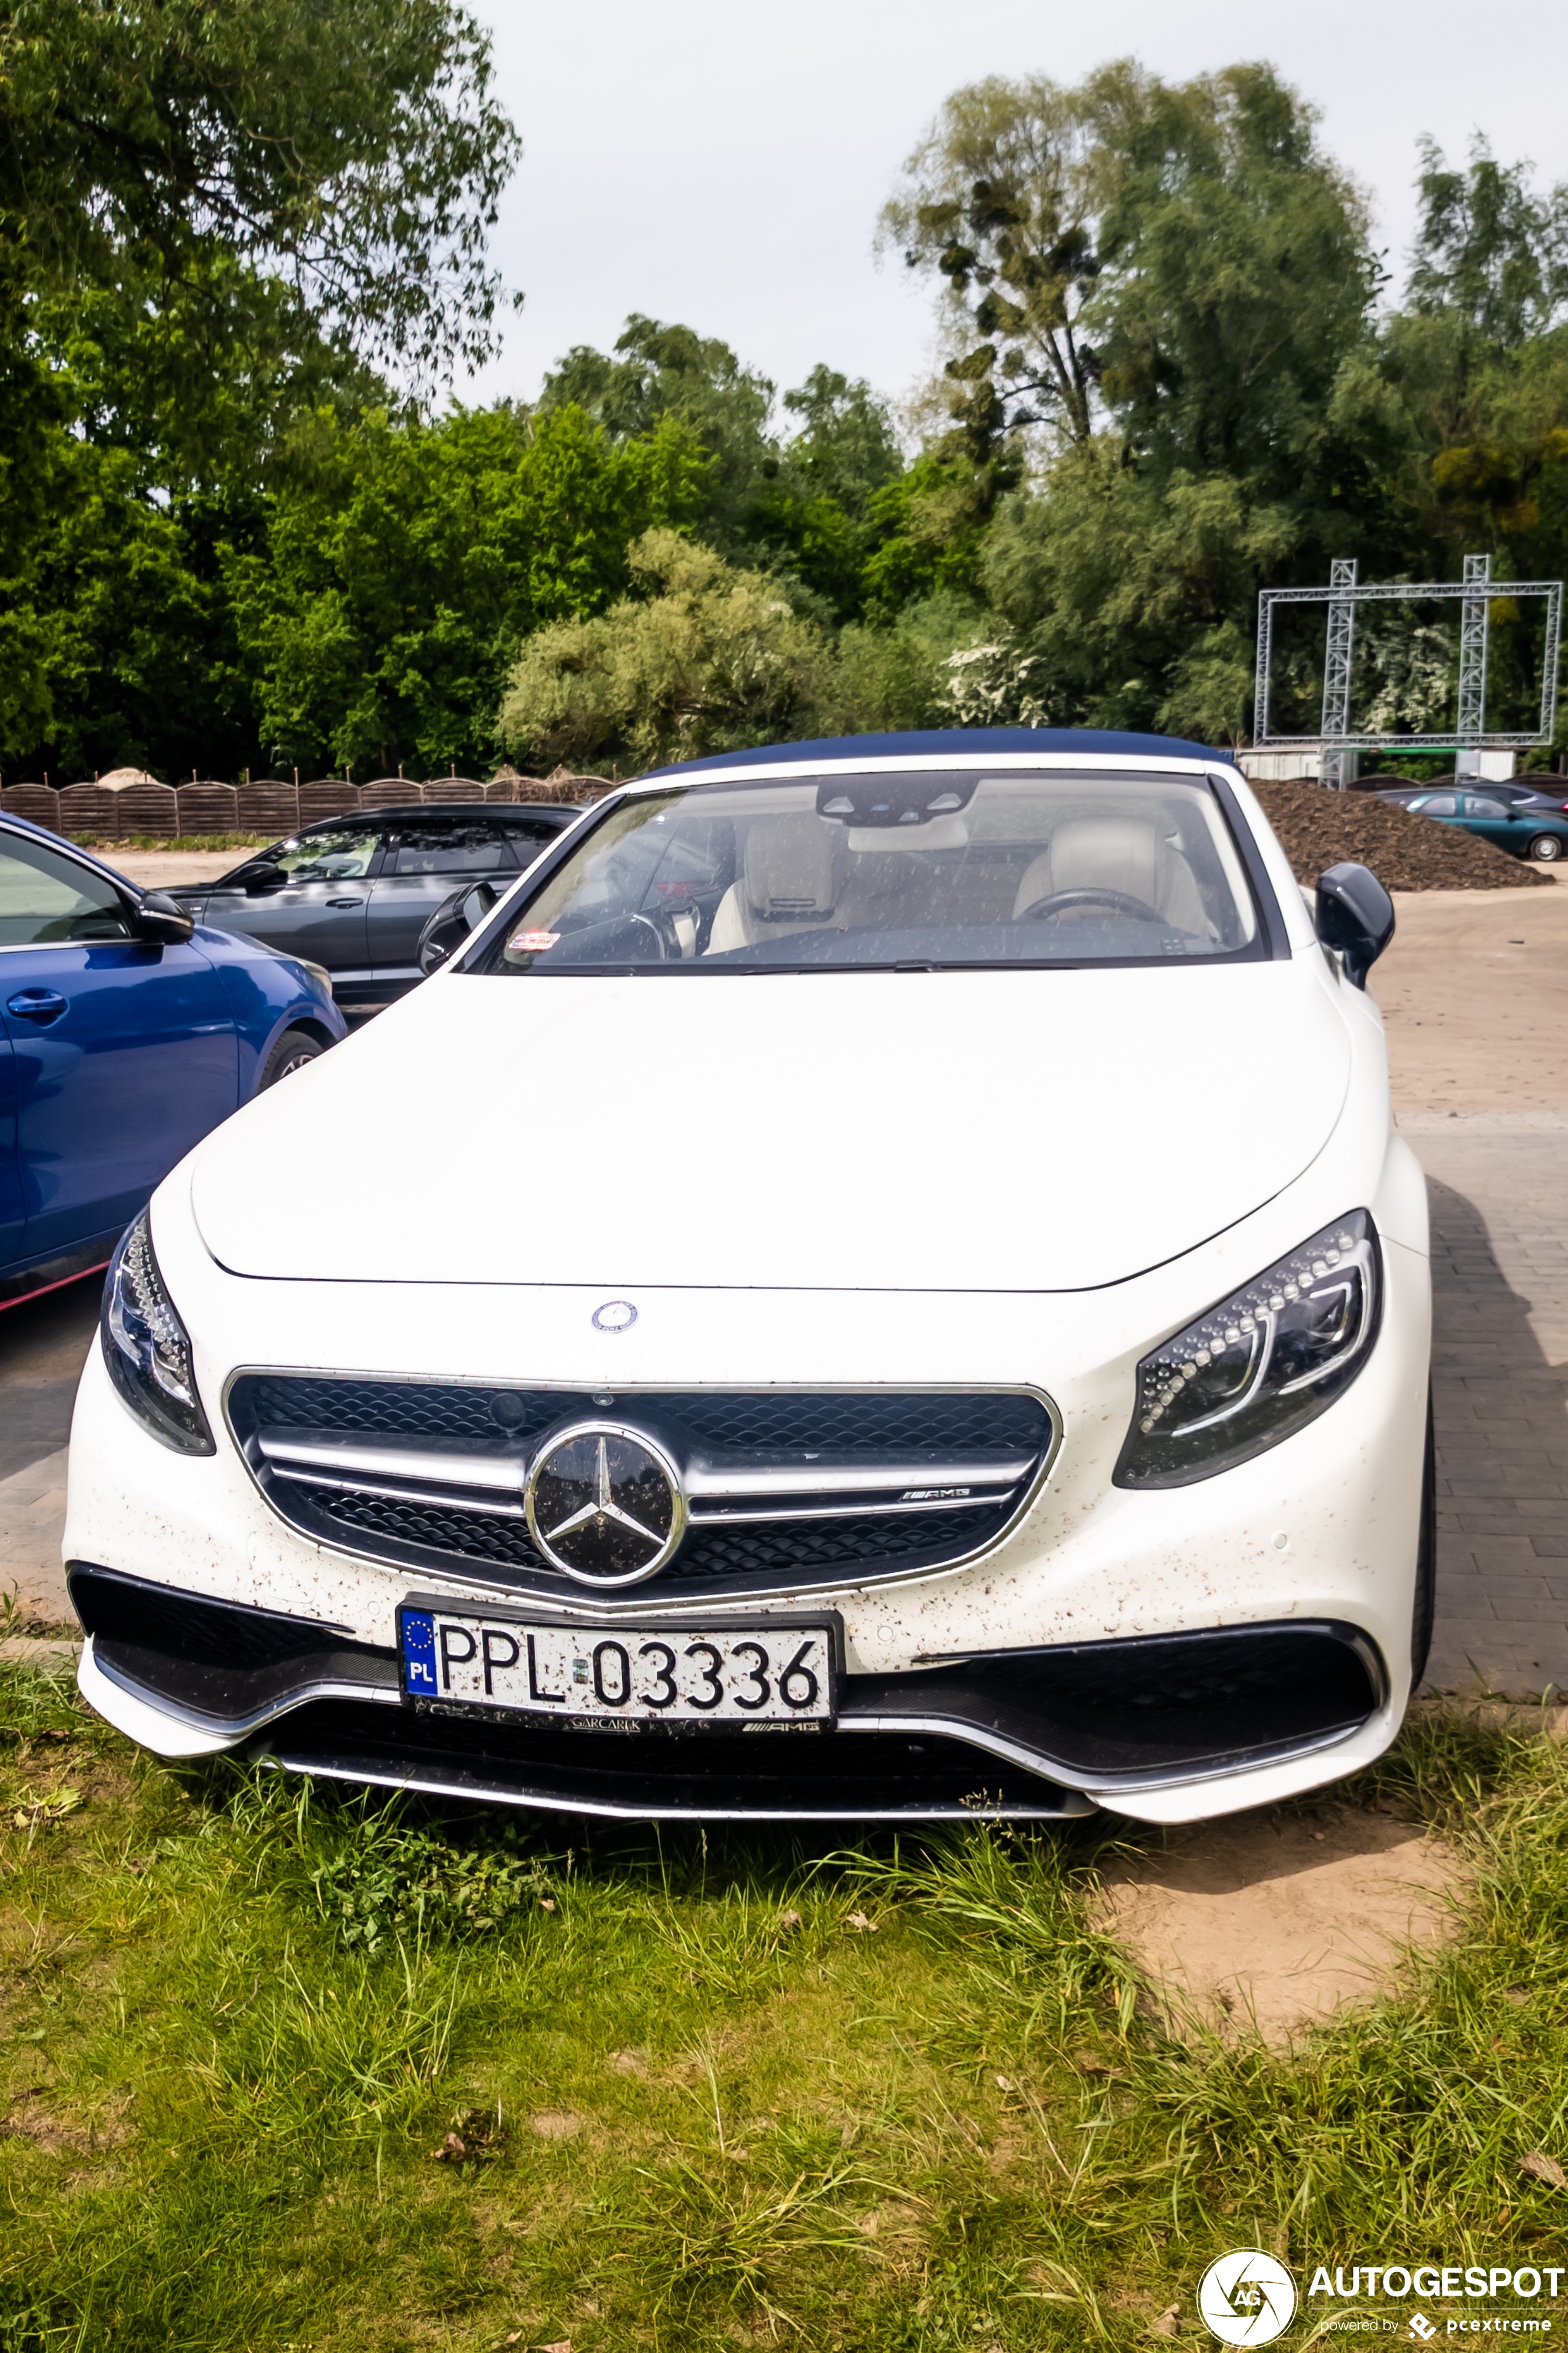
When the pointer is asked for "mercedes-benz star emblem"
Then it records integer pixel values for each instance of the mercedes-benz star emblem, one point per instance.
(605, 1504)
(614, 1316)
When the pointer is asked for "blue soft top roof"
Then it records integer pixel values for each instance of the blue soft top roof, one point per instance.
(950, 743)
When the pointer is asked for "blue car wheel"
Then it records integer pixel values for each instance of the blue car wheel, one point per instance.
(293, 1052)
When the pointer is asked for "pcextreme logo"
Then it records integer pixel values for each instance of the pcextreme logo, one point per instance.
(1246, 2298)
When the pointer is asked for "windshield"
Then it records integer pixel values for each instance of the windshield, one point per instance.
(840, 872)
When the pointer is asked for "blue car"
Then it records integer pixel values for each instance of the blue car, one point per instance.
(125, 1034)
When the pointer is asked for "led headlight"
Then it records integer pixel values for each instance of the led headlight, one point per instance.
(148, 1349)
(1260, 1363)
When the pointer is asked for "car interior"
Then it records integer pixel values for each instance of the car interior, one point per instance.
(46, 898)
(1016, 871)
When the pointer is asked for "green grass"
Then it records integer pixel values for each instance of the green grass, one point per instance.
(699, 2091)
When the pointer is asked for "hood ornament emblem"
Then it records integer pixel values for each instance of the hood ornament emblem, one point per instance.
(614, 1316)
(605, 1504)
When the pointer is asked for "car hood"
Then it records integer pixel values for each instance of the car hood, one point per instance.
(1042, 1131)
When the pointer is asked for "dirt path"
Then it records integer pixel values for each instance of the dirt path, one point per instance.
(158, 869)
(1474, 992)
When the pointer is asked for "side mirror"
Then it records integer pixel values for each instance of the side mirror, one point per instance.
(1355, 917)
(160, 917)
(256, 876)
(449, 926)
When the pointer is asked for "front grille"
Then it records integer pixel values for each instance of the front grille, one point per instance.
(783, 1549)
(766, 1422)
(786, 1488)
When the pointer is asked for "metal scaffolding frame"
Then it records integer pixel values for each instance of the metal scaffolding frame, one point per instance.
(1338, 654)
(1345, 592)
(1473, 616)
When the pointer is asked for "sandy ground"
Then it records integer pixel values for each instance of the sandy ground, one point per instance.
(156, 870)
(1474, 991)
(1274, 1921)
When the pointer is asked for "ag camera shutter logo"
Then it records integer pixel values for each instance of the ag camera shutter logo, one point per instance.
(1246, 2298)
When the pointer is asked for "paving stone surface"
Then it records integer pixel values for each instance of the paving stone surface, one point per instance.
(43, 1345)
(1500, 1274)
(32, 1518)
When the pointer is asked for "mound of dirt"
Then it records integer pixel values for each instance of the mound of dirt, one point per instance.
(1319, 827)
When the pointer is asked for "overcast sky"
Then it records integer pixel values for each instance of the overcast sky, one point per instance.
(723, 165)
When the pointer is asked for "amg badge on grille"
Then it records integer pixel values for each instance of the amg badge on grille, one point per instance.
(605, 1504)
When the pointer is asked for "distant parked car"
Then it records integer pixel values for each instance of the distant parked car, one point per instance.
(1546, 793)
(125, 1034)
(1526, 824)
(356, 891)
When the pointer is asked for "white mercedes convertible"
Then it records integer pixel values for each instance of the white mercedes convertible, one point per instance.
(878, 1284)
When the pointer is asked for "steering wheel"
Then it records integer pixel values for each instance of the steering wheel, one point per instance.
(661, 943)
(1062, 903)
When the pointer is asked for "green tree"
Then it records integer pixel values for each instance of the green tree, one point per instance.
(1137, 592)
(208, 220)
(669, 371)
(1184, 264)
(133, 635)
(1171, 284)
(831, 510)
(405, 560)
(893, 672)
(706, 659)
(1489, 249)
(1001, 200)
(846, 448)
(1236, 272)
(824, 512)
(350, 148)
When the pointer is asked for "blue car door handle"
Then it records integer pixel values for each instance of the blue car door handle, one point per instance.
(345, 902)
(36, 1004)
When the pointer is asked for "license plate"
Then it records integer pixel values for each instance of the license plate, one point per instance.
(768, 1673)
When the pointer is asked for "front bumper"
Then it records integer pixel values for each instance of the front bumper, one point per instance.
(1015, 1733)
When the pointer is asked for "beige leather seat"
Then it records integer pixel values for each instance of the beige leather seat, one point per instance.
(791, 876)
(1117, 853)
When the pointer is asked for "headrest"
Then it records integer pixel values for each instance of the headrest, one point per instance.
(879, 873)
(790, 868)
(1115, 853)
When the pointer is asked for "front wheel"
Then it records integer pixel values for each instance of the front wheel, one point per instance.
(1547, 848)
(293, 1052)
